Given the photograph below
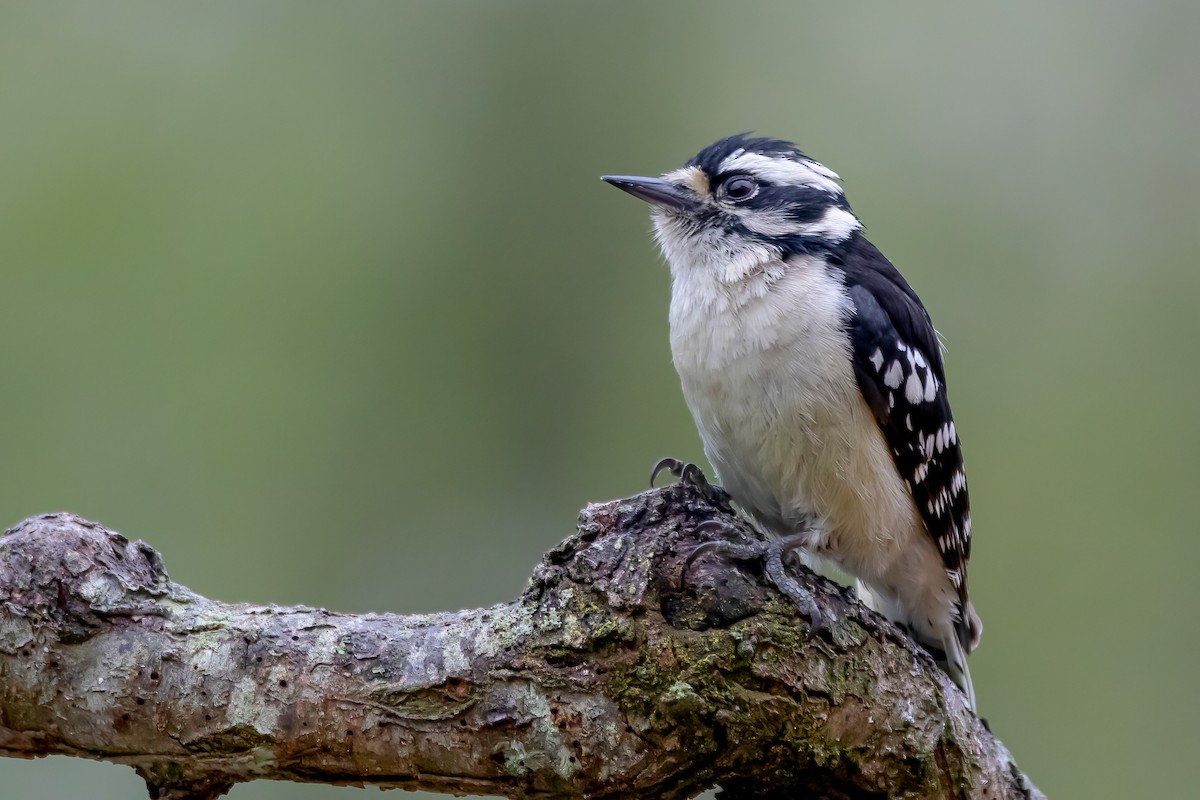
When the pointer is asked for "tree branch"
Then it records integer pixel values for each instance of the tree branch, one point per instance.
(613, 676)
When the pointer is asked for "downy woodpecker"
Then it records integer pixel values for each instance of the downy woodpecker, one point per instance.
(815, 378)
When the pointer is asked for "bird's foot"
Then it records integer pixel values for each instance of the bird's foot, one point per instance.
(691, 475)
(771, 553)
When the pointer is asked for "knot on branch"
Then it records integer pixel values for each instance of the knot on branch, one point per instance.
(628, 554)
(76, 575)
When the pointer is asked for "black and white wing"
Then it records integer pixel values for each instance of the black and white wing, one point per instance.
(898, 364)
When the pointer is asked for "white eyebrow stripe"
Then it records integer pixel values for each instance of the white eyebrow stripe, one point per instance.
(787, 171)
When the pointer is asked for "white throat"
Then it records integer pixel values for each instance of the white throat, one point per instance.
(708, 252)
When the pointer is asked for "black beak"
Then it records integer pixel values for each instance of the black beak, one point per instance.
(653, 190)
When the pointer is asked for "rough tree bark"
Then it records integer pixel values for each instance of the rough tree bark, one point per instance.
(615, 675)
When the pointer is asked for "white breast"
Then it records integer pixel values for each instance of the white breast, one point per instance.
(766, 370)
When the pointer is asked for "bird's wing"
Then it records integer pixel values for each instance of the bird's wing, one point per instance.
(898, 364)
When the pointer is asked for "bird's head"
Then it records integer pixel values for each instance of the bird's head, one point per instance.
(742, 203)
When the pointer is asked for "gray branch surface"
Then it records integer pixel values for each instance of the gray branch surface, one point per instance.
(615, 675)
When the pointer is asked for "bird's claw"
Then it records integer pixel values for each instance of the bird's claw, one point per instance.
(771, 553)
(691, 475)
(685, 472)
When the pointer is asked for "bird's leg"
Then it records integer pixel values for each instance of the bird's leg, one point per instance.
(771, 553)
(691, 475)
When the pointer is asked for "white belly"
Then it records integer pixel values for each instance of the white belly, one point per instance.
(768, 378)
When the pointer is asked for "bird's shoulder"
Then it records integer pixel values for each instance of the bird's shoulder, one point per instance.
(885, 304)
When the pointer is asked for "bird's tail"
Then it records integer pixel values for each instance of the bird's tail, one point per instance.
(953, 660)
(949, 652)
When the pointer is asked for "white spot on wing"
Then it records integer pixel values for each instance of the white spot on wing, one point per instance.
(877, 359)
(912, 389)
(891, 378)
(930, 386)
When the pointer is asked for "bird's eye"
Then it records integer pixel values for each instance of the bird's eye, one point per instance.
(739, 188)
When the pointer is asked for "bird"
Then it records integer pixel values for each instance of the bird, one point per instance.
(816, 381)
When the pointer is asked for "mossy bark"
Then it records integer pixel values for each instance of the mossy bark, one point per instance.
(615, 675)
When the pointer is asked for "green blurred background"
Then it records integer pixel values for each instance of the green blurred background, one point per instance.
(327, 303)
